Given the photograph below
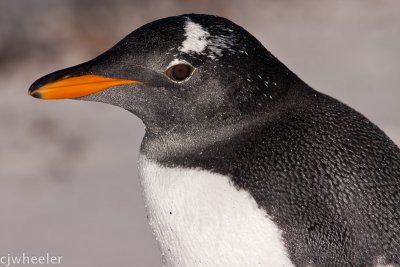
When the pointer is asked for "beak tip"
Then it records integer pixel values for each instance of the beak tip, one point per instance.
(33, 91)
(34, 94)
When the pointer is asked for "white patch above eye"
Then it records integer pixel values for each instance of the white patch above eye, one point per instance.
(196, 38)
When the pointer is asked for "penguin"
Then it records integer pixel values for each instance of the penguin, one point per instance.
(243, 163)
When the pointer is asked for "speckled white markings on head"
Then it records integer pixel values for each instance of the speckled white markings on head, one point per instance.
(196, 38)
(216, 45)
(201, 219)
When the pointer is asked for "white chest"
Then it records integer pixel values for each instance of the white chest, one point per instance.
(200, 219)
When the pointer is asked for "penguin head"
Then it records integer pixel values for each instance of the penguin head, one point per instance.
(177, 72)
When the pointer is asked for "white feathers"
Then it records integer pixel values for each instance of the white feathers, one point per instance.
(196, 38)
(200, 219)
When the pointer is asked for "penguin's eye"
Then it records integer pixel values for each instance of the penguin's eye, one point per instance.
(179, 72)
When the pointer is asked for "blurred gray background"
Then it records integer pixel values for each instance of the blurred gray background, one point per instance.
(68, 171)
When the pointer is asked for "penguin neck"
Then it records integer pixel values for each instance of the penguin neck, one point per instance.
(181, 141)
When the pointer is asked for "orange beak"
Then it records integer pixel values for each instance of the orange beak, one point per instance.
(73, 87)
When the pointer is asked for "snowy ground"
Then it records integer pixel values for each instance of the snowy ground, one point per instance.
(68, 173)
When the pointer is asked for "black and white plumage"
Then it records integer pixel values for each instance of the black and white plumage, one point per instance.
(242, 163)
